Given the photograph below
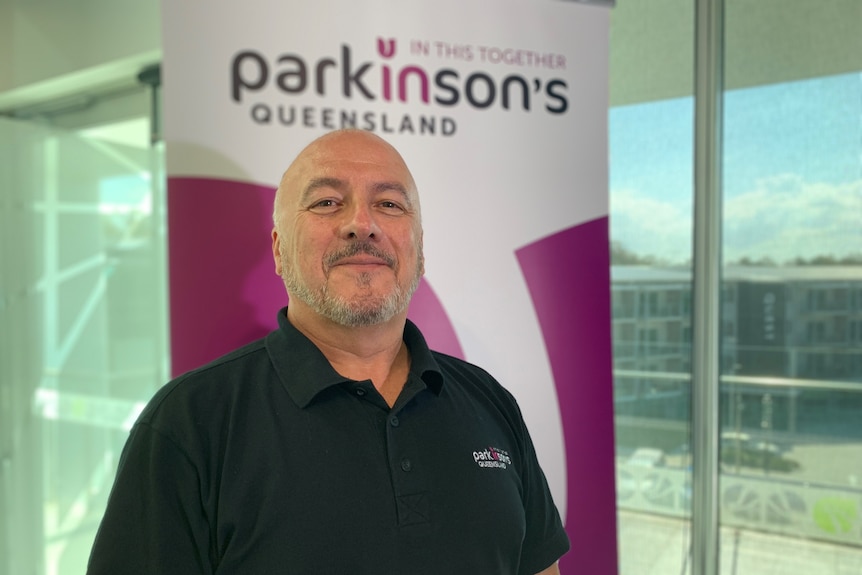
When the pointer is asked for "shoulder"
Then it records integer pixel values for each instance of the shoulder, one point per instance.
(462, 371)
(211, 383)
(463, 379)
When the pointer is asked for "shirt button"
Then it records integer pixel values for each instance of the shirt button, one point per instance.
(406, 465)
(360, 391)
(393, 421)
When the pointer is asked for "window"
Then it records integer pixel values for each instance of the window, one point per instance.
(791, 385)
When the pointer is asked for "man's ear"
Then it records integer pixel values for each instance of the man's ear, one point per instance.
(422, 252)
(276, 252)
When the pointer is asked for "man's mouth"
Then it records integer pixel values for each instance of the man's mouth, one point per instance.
(360, 255)
(361, 261)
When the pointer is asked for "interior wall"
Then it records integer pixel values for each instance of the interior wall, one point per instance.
(52, 48)
(769, 41)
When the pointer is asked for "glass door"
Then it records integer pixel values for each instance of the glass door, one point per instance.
(83, 326)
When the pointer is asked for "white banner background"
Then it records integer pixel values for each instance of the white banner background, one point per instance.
(505, 178)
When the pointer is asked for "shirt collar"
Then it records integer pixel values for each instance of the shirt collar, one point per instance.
(304, 371)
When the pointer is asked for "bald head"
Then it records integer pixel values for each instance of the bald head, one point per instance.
(347, 235)
(349, 144)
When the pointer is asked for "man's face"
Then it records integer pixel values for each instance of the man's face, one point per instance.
(348, 236)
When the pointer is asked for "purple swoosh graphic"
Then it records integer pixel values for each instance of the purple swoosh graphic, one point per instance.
(427, 312)
(223, 288)
(224, 291)
(568, 275)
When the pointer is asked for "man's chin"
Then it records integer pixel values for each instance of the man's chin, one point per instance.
(366, 289)
(349, 304)
(360, 316)
(354, 281)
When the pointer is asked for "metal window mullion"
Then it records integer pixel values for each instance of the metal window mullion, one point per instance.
(709, 85)
(152, 76)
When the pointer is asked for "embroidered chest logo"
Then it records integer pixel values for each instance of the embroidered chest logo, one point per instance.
(492, 457)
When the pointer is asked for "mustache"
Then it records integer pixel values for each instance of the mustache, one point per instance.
(357, 248)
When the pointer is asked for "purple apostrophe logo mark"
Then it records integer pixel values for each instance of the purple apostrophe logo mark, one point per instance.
(386, 48)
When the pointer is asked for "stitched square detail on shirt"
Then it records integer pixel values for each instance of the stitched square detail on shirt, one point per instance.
(413, 509)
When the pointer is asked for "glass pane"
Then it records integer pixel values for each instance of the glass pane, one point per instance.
(651, 135)
(83, 280)
(791, 441)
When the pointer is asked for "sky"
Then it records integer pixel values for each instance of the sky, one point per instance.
(792, 173)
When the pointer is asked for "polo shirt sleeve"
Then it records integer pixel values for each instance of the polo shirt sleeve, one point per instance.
(545, 540)
(154, 523)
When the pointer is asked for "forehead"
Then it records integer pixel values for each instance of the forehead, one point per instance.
(352, 157)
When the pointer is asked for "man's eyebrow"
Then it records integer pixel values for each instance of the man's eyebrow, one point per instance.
(393, 186)
(317, 183)
(338, 184)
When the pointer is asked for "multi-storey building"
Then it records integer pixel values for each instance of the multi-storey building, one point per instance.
(781, 327)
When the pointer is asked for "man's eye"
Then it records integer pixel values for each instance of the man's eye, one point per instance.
(393, 206)
(323, 205)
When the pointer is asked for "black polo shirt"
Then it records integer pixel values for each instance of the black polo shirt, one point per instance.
(268, 461)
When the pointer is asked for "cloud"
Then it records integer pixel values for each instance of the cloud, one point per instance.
(785, 217)
(648, 226)
(781, 218)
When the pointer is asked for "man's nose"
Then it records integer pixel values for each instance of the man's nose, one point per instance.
(360, 222)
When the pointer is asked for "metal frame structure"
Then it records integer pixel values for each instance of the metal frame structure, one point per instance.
(706, 356)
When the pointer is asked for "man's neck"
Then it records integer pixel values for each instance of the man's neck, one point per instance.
(375, 352)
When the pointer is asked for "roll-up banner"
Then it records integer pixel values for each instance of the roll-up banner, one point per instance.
(499, 108)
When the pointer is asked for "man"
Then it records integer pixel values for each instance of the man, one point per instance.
(339, 443)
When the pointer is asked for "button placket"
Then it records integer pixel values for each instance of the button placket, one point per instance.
(411, 494)
(401, 460)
